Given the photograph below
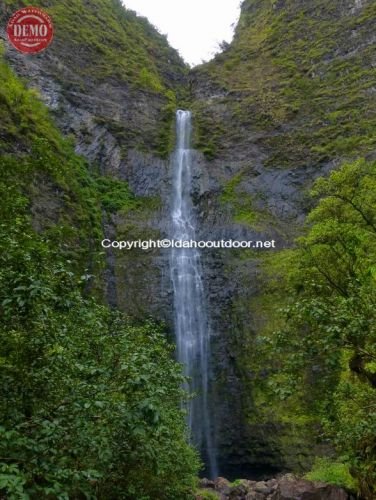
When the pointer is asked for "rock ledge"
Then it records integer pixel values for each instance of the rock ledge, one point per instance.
(286, 487)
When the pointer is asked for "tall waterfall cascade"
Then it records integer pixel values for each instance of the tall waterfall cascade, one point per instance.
(192, 325)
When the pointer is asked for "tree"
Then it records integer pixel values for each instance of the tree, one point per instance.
(327, 348)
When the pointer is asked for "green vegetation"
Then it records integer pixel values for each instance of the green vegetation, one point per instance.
(42, 174)
(22, 117)
(89, 402)
(337, 473)
(166, 137)
(300, 76)
(237, 482)
(115, 195)
(239, 202)
(207, 495)
(208, 131)
(323, 340)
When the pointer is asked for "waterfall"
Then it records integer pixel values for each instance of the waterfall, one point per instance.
(192, 327)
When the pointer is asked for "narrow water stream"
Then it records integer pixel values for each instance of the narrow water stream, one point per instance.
(192, 325)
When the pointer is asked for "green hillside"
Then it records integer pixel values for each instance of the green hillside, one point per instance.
(102, 40)
(299, 75)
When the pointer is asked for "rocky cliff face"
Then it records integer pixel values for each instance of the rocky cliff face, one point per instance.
(288, 100)
(112, 83)
(297, 83)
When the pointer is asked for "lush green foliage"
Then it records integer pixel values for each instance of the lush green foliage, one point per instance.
(56, 186)
(89, 403)
(115, 195)
(327, 471)
(207, 495)
(22, 117)
(326, 350)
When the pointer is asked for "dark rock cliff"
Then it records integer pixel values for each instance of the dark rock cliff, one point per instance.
(285, 103)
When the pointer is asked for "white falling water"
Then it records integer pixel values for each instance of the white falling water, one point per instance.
(191, 319)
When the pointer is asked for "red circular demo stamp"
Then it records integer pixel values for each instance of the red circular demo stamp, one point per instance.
(30, 30)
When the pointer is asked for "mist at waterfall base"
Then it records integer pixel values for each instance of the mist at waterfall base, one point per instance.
(192, 324)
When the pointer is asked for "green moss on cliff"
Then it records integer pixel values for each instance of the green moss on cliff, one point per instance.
(208, 131)
(238, 201)
(102, 49)
(22, 118)
(301, 75)
(105, 40)
(39, 164)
